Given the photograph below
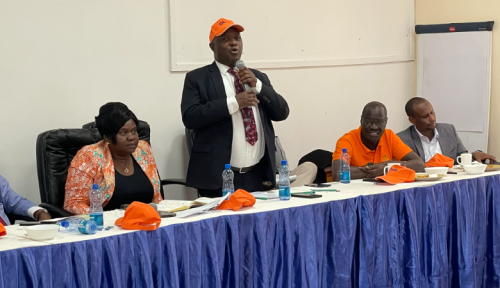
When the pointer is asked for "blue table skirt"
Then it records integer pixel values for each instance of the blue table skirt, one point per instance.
(447, 235)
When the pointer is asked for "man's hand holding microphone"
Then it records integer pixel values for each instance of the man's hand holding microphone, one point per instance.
(248, 97)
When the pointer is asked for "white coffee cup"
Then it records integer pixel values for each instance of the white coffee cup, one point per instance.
(465, 159)
(388, 167)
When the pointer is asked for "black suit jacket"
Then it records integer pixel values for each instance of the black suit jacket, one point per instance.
(204, 109)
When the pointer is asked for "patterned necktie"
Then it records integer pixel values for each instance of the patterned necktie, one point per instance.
(247, 113)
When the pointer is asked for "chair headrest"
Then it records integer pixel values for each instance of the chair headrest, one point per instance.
(55, 150)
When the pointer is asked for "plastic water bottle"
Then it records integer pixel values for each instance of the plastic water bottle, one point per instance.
(227, 180)
(78, 224)
(284, 183)
(96, 212)
(345, 167)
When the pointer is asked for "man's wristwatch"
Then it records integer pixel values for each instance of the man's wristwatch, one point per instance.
(43, 209)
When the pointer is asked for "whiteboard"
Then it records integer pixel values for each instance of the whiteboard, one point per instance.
(296, 33)
(454, 74)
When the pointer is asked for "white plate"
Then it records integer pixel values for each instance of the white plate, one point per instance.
(427, 177)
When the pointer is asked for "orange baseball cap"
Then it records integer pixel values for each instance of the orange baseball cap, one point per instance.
(139, 216)
(220, 26)
(3, 232)
(440, 160)
(240, 198)
(398, 174)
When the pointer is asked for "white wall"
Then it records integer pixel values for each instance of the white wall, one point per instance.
(364, 32)
(61, 60)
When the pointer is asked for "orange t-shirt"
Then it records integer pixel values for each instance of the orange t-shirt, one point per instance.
(389, 147)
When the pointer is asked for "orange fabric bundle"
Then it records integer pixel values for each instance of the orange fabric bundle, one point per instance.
(139, 216)
(440, 160)
(3, 232)
(240, 198)
(398, 174)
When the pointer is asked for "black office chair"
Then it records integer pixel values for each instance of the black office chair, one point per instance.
(14, 217)
(55, 150)
(322, 159)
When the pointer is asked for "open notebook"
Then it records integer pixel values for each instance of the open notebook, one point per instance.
(179, 205)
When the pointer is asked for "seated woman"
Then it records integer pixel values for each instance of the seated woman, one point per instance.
(122, 165)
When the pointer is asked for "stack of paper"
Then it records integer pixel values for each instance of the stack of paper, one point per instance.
(266, 195)
(179, 205)
(213, 204)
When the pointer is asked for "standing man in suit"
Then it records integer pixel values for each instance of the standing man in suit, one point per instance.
(426, 137)
(231, 125)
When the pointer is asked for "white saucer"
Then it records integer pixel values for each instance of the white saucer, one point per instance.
(427, 177)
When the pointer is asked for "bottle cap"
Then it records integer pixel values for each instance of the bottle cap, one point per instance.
(344, 150)
(65, 224)
(95, 186)
(283, 162)
(89, 227)
(227, 166)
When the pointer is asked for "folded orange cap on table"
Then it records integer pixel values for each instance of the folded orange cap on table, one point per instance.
(3, 232)
(398, 174)
(240, 198)
(139, 216)
(440, 160)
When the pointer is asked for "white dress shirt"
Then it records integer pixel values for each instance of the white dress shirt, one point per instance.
(242, 153)
(32, 211)
(430, 147)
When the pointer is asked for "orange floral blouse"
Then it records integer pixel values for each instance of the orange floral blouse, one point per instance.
(93, 165)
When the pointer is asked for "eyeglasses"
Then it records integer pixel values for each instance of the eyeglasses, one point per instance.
(369, 122)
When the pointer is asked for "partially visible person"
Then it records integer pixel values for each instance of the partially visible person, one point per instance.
(122, 165)
(305, 172)
(13, 203)
(371, 146)
(426, 137)
(231, 125)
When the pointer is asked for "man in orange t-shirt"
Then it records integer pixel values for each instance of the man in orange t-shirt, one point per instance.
(371, 146)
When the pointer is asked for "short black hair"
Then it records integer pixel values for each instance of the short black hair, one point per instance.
(112, 116)
(410, 105)
(373, 105)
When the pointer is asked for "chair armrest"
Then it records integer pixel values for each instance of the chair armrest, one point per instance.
(13, 218)
(54, 211)
(173, 181)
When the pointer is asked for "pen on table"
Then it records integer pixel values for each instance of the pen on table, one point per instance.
(325, 190)
(260, 198)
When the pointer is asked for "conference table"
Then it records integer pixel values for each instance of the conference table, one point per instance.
(444, 233)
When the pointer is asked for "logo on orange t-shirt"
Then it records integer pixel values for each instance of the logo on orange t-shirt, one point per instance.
(385, 158)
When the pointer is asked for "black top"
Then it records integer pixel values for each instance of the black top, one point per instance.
(136, 187)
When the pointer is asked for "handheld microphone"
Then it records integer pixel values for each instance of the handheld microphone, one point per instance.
(240, 64)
